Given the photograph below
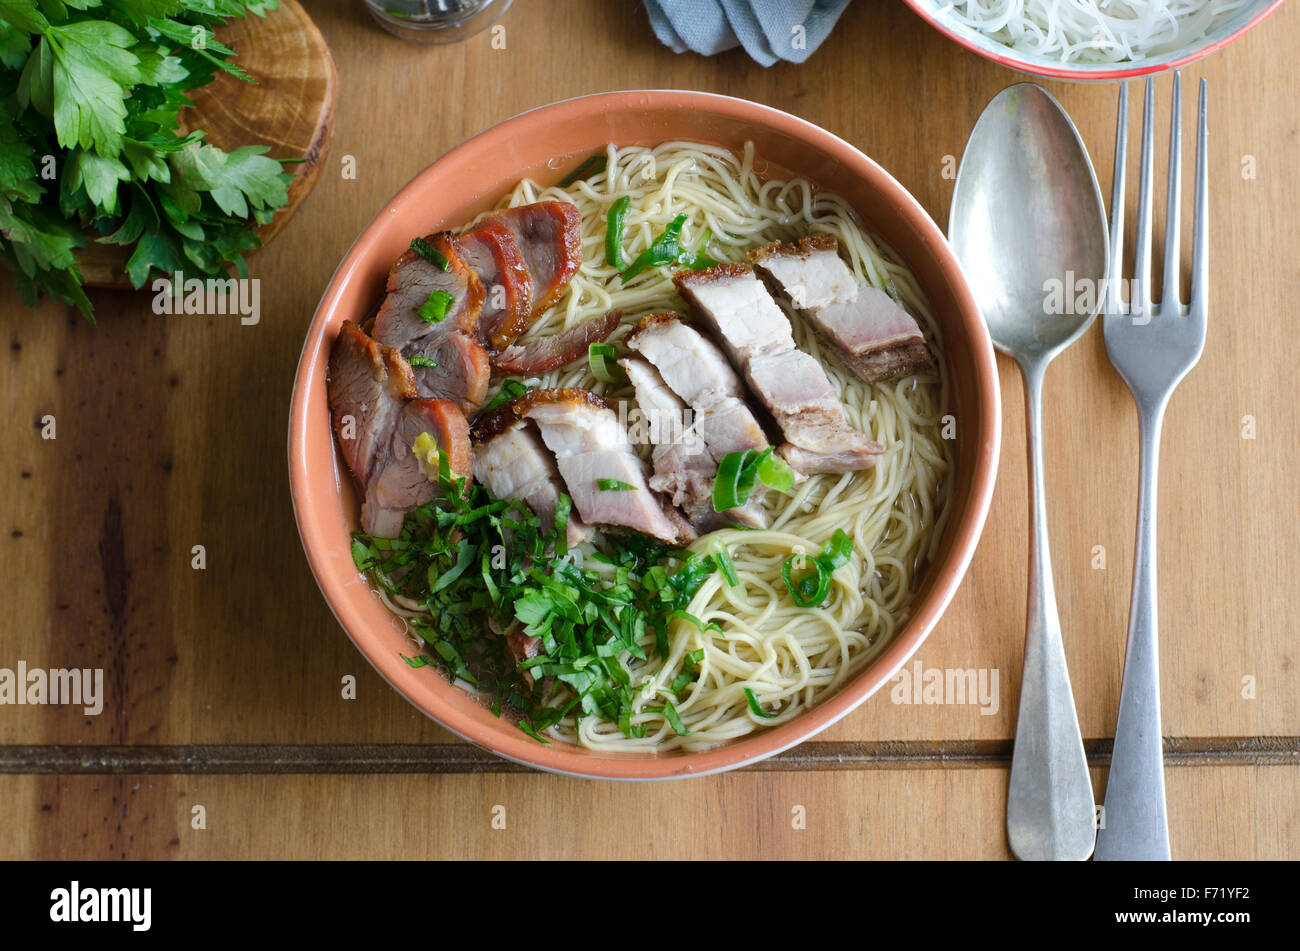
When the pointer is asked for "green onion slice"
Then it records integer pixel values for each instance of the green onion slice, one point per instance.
(614, 485)
(434, 310)
(758, 710)
(810, 590)
(601, 358)
(422, 363)
(614, 232)
(664, 251)
(592, 166)
(431, 254)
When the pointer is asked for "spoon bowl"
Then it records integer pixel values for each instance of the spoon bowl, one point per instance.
(1028, 224)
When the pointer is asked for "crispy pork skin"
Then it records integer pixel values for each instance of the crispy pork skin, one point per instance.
(791, 383)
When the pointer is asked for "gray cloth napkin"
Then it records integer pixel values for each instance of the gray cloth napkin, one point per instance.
(769, 30)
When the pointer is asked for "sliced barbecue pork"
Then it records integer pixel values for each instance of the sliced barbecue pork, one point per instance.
(553, 352)
(400, 483)
(368, 385)
(591, 447)
(511, 463)
(877, 339)
(547, 237)
(791, 383)
(491, 251)
(450, 342)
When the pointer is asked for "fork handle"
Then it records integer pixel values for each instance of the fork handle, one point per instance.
(1135, 825)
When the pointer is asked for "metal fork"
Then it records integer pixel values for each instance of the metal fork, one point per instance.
(1152, 346)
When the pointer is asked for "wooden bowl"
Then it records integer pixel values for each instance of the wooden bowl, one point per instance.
(543, 144)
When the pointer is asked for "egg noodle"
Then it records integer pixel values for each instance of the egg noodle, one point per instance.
(1091, 31)
(789, 657)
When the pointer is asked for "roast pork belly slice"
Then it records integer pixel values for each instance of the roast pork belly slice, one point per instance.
(737, 305)
(462, 368)
(792, 384)
(684, 470)
(491, 251)
(809, 271)
(698, 372)
(410, 283)
(795, 388)
(548, 235)
(553, 352)
(399, 483)
(877, 339)
(590, 444)
(511, 463)
(367, 386)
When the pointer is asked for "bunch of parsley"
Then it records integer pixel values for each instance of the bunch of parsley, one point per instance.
(91, 142)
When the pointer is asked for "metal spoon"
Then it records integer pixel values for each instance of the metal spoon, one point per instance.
(1027, 219)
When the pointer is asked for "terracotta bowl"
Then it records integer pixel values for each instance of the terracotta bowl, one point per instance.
(936, 13)
(544, 144)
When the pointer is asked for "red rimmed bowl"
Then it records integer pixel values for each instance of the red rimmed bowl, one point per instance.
(543, 144)
(932, 11)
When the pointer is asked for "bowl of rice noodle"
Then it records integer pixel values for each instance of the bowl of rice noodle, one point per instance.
(1093, 40)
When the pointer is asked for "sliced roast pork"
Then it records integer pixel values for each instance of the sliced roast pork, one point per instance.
(877, 338)
(683, 469)
(368, 385)
(547, 238)
(553, 352)
(791, 383)
(511, 463)
(605, 478)
(491, 251)
(695, 371)
(448, 359)
(400, 483)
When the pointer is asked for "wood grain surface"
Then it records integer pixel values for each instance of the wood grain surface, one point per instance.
(171, 434)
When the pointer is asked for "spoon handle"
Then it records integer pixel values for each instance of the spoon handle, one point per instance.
(1050, 804)
(1134, 823)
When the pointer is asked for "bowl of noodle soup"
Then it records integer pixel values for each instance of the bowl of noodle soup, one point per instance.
(750, 175)
(1093, 40)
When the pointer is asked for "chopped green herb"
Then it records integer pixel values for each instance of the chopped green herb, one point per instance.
(739, 471)
(614, 232)
(754, 706)
(614, 485)
(663, 251)
(431, 254)
(601, 358)
(591, 167)
(811, 589)
(475, 562)
(417, 662)
(422, 363)
(434, 310)
(724, 562)
(510, 391)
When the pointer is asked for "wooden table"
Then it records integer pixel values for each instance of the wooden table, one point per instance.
(224, 685)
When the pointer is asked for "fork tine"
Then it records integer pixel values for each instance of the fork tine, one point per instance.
(1141, 304)
(1199, 299)
(1169, 280)
(1114, 304)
